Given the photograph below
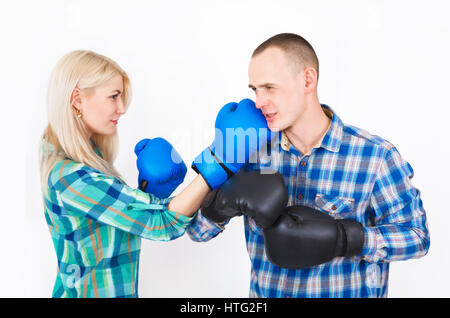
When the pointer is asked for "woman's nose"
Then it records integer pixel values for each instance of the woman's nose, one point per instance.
(120, 107)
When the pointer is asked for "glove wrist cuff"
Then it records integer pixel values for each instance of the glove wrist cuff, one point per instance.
(354, 233)
(214, 173)
(208, 209)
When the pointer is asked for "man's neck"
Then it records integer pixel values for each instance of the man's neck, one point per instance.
(309, 129)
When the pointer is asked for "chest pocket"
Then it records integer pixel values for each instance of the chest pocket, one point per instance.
(337, 207)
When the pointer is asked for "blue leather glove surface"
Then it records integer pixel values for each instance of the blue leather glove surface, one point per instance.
(240, 130)
(161, 168)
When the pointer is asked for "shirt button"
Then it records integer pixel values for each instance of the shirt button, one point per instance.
(334, 208)
(303, 163)
(299, 196)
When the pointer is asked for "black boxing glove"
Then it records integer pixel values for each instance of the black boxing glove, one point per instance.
(260, 194)
(304, 237)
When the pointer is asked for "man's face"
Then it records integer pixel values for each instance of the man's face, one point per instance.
(278, 87)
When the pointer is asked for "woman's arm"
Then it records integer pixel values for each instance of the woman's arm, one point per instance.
(78, 191)
(188, 201)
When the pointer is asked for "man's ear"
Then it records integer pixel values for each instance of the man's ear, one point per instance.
(310, 79)
(75, 99)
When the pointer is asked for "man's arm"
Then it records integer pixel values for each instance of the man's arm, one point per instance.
(400, 231)
(202, 230)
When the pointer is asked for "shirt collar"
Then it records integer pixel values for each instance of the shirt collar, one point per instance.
(48, 148)
(331, 140)
(96, 148)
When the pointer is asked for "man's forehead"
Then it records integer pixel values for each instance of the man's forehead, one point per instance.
(272, 54)
(268, 66)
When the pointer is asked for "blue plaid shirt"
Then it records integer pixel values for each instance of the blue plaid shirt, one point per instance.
(350, 175)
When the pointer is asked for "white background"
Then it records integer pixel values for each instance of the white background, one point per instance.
(384, 67)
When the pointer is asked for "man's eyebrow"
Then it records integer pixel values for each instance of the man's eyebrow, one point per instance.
(262, 85)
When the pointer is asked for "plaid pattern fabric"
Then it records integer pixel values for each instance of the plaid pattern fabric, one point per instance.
(96, 223)
(350, 175)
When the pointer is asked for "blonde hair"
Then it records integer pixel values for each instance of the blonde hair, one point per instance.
(66, 134)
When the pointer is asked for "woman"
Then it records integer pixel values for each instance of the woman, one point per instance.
(96, 221)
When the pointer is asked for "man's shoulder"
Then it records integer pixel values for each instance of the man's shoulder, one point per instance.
(353, 134)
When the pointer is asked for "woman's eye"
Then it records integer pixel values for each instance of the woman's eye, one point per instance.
(114, 96)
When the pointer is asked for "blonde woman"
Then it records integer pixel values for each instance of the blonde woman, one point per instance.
(95, 219)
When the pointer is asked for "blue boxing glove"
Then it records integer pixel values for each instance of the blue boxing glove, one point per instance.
(161, 168)
(241, 129)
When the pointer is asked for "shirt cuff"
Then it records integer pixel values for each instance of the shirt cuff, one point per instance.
(202, 229)
(373, 250)
(180, 217)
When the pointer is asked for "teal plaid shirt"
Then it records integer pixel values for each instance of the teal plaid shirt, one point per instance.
(96, 223)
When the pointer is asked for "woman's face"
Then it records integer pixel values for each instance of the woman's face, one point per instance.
(101, 108)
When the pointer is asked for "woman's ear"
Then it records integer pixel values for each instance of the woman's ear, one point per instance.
(75, 99)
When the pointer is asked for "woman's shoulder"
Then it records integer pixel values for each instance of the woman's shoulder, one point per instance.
(67, 171)
(67, 166)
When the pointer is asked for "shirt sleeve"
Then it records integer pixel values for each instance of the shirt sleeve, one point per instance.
(400, 231)
(105, 199)
(202, 230)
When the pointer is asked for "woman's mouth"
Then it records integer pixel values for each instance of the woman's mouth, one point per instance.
(115, 121)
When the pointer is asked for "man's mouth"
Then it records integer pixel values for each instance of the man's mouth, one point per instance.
(269, 116)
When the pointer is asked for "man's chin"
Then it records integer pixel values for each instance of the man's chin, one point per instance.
(274, 127)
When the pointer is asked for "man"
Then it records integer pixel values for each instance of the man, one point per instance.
(355, 183)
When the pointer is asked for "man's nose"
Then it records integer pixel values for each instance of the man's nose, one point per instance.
(260, 100)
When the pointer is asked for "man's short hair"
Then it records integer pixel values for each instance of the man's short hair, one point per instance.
(296, 48)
